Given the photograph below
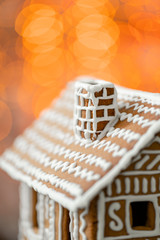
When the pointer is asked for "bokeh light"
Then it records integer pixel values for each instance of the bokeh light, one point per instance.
(45, 43)
(58, 40)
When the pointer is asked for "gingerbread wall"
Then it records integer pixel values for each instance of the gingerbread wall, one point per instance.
(135, 188)
(110, 215)
(52, 220)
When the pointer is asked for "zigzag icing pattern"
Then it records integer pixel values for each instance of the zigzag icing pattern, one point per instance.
(152, 99)
(60, 117)
(83, 224)
(24, 165)
(136, 119)
(59, 150)
(140, 108)
(37, 155)
(126, 134)
(45, 137)
(68, 153)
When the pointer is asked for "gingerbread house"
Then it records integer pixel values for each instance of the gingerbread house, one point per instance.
(94, 174)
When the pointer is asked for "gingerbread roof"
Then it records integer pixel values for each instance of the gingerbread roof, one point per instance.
(50, 159)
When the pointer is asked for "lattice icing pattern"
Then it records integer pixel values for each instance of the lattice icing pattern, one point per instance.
(96, 108)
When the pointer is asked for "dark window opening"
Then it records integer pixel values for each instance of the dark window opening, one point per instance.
(142, 215)
(34, 209)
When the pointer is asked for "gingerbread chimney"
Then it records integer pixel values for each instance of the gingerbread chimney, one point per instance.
(96, 108)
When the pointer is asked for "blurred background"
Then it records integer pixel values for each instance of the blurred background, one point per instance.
(46, 43)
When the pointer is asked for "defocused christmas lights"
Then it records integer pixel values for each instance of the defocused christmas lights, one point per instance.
(117, 40)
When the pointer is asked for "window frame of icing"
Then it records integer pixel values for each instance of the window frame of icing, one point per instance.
(142, 233)
(26, 211)
(25, 224)
(128, 200)
(46, 216)
(34, 210)
(31, 233)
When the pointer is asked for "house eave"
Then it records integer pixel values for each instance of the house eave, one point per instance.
(84, 199)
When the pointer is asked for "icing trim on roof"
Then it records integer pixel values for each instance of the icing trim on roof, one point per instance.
(83, 199)
(123, 164)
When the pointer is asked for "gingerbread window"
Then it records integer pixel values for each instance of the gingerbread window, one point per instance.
(34, 210)
(142, 215)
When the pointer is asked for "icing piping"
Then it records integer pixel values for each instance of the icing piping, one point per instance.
(127, 185)
(116, 224)
(75, 230)
(136, 119)
(118, 185)
(91, 87)
(66, 138)
(141, 108)
(40, 213)
(125, 160)
(72, 188)
(126, 134)
(153, 184)
(71, 225)
(145, 185)
(83, 224)
(62, 151)
(60, 222)
(34, 153)
(154, 162)
(141, 162)
(101, 215)
(51, 220)
(136, 185)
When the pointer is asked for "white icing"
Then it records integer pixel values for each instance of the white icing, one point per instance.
(126, 134)
(76, 228)
(46, 203)
(83, 224)
(40, 213)
(60, 223)
(133, 233)
(101, 216)
(141, 121)
(36, 154)
(58, 118)
(144, 185)
(136, 185)
(118, 185)
(108, 146)
(26, 222)
(125, 160)
(138, 96)
(156, 152)
(154, 162)
(153, 184)
(109, 189)
(59, 150)
(141, 108)
(116, 224)
(127, 185)
(141, 162)
(135, 173)
(51, 234)
(22, 164)
(71, 225)
(91, 86)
